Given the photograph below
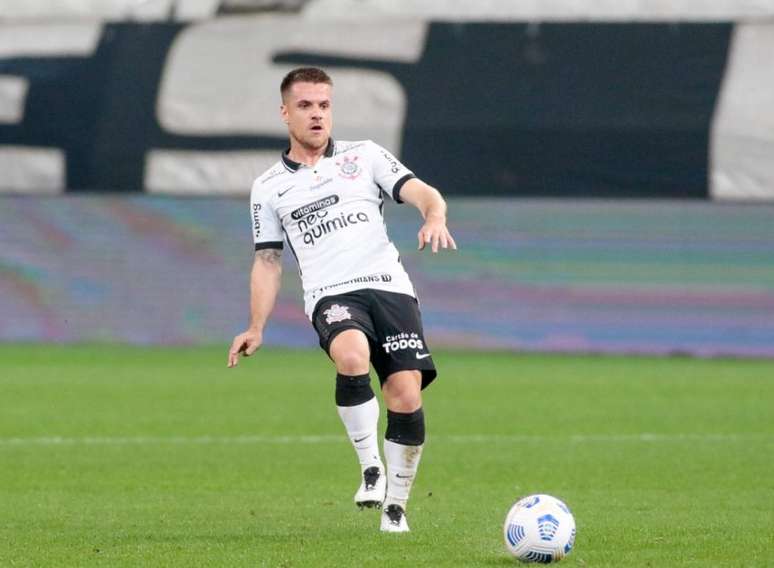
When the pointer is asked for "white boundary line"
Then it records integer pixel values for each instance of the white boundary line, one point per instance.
(340, 438)
(167, 440)
(584, 438)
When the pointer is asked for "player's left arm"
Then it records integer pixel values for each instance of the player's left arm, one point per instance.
(432, 206)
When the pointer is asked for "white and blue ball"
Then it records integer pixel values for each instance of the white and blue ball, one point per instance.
(539, 528)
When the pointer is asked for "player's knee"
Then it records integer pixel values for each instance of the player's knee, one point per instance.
(403, 392)
(349, 351)
(352, 362)
(405, 400)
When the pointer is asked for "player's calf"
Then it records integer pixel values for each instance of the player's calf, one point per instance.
(359, 412)
(403, 444)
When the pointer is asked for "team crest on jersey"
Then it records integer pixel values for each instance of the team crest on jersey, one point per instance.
(348, 167)
(336, 313)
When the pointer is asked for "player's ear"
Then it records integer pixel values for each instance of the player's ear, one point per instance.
(284, 112)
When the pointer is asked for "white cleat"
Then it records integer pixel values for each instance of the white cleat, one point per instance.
(394, 519)
(372, 489)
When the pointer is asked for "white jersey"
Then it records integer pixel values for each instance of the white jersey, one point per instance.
(331, 217)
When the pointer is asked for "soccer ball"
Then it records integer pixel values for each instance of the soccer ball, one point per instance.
(539, 528)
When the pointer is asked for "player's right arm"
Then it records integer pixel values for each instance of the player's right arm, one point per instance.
(267, 267)
(264, 286)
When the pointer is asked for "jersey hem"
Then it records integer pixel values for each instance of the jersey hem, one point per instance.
(310, 306)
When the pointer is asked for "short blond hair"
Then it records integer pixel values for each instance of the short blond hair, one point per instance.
(304, 75)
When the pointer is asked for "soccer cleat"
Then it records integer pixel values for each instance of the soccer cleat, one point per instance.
(372, 489)
(394, 519)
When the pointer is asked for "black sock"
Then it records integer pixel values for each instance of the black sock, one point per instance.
(353, 390)
(407, 429)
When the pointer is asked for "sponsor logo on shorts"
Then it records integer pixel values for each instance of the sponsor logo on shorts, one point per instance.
(403, 341)
(336, 313)
(419, 355)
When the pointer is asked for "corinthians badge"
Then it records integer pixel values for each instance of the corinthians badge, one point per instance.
(348, 168)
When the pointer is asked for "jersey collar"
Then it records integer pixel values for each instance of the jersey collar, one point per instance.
(293, 166)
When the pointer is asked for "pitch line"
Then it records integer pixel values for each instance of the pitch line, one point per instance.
(340, 438)
(167, 440)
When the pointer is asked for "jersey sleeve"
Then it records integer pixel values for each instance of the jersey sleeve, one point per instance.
(389, 173)
(267, 230)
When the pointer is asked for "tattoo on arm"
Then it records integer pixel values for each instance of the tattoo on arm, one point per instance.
(271, 256)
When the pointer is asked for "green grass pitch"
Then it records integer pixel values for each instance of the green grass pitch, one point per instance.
(114, 456)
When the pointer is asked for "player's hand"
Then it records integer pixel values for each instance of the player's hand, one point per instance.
(245, 343)
(435, 234)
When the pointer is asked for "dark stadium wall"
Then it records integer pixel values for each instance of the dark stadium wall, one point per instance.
(577, 110)
(567, 109)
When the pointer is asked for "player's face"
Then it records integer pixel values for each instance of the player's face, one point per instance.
(307, 112)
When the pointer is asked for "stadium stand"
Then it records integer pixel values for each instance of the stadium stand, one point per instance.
(690, 87)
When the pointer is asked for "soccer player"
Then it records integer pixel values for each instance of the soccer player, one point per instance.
(325, 200)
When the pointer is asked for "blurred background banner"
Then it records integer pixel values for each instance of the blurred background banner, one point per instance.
(542, 275)
(585, 147)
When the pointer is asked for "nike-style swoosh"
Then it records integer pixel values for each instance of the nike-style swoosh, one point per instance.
(281, 193)
(399, 476)
(422, 355)
(356, 440)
